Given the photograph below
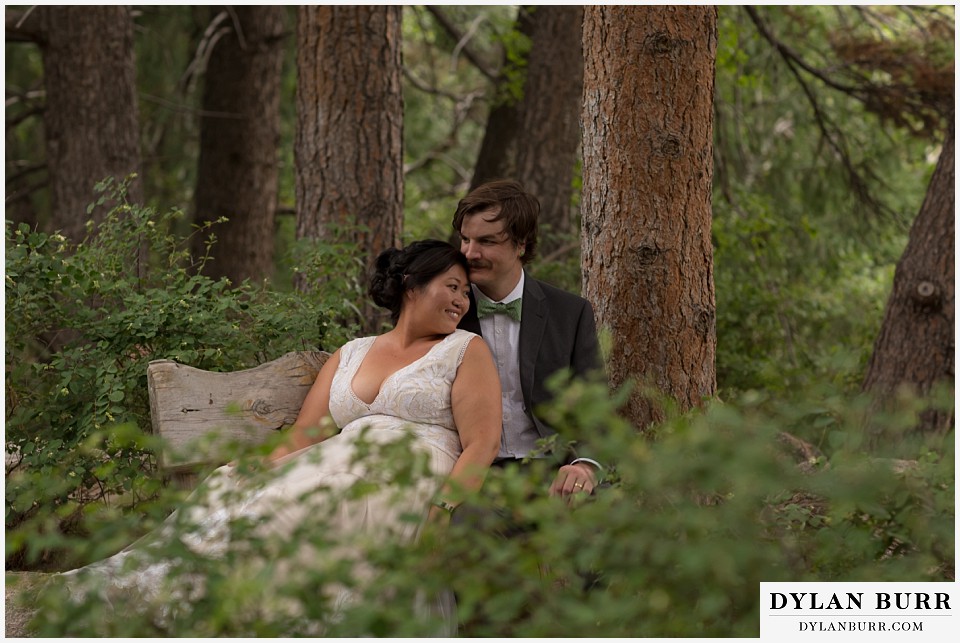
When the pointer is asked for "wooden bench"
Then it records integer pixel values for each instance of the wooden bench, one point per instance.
(200, 413)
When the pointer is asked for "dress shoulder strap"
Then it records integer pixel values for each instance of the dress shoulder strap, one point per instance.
(457, 344)
(352, 352)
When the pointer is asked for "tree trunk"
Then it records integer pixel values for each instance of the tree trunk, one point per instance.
(238, 169)
(914, 349)
(497, 158)
(349, 142)
(647, 256)
(549, 133)
(91, 118)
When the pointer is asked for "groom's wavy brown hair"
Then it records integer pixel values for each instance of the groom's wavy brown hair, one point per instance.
(506, 200)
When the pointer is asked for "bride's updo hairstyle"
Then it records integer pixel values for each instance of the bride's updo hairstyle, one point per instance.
(397, 271)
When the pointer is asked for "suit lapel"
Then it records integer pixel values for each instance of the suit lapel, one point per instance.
(533, 321)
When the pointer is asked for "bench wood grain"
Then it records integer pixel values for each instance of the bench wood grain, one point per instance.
(198, 413)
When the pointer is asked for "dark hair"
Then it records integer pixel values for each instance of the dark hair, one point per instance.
(397, 271)
(506, 200)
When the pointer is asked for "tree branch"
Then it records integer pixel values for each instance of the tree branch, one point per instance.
(461, 110)
(928, 97)
(198, 66)
(21, 29)
(25, 192)
(788, 53)
(22, 116)
(461, 39)
(557, 254)
(26, 170)
(28, 103)
(14, 97)
(425, 88)
(428, 48)
(438, 155)
(186, 109)
(831, 133)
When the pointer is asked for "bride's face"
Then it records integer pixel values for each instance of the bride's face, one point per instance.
(441, 304)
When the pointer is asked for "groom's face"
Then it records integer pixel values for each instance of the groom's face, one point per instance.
(494, 258)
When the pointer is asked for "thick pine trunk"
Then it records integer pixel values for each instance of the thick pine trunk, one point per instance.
(349, 152)
(238, 169)
(915, 347)
(549, 134)
(91, 119)
(647, 256)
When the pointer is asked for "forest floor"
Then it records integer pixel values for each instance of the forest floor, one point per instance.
(17, 616)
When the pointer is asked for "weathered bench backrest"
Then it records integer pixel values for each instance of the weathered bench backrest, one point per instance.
(189, 407)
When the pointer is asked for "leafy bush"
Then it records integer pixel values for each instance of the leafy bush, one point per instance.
(83, 321)
(698, 516)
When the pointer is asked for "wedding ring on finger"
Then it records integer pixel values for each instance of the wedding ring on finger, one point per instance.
(578, 485)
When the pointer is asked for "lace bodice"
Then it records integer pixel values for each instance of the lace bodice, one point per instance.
(416, 396)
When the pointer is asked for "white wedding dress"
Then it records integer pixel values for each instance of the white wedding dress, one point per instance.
(412, 413)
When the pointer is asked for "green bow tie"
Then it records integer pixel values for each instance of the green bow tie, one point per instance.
(486, 307)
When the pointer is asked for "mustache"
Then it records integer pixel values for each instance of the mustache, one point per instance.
(478, 264)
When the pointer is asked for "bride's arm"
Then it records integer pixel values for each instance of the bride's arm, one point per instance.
(477, 412)
(313, 423)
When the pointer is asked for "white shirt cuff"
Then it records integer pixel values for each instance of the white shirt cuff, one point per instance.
(589, 461)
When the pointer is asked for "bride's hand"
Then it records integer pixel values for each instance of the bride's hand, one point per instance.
(440, 514)
(438, 517)
(236, 468)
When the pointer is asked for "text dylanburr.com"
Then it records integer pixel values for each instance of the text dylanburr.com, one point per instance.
(845, 611)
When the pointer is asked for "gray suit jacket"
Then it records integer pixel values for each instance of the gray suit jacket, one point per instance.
(557, 331)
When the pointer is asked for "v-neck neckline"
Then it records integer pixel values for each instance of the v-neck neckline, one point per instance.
(388, 377)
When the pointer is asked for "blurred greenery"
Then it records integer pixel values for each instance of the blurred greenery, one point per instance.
(696, 518)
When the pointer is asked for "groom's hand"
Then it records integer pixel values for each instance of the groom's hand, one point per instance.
(574, 479)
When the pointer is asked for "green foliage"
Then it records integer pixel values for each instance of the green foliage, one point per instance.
(803, 254)
(335, 273)
(698, 515)
(443, 117)
(513, 74)
(82, 324)
(793, 308)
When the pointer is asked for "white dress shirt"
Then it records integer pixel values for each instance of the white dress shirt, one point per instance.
(502, 334)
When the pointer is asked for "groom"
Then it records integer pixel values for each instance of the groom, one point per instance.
(532, 328)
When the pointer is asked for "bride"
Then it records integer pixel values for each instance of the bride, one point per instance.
(424, 389)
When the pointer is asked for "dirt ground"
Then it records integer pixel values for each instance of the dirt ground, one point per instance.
(17, 616)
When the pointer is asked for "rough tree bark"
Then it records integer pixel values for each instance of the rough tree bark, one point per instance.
(549, 132)
(349, 152)
(238, 171)
(91, 118)
(915, 346)
(647, 257)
